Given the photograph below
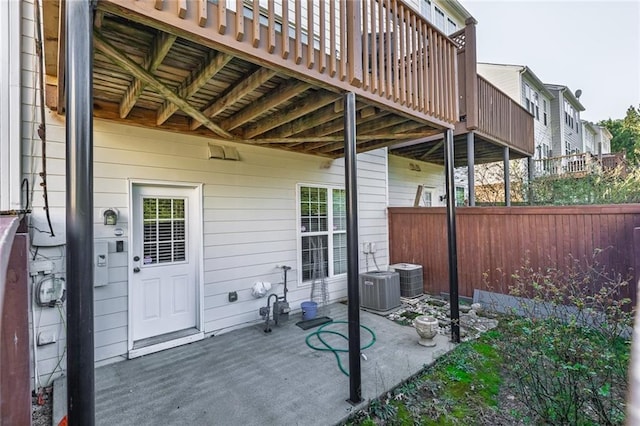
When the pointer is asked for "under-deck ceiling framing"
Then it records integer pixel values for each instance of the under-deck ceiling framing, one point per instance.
(148, 77)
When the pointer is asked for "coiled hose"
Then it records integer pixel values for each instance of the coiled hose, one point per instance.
(336, 351)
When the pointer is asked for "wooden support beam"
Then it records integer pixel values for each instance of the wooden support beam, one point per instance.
(305, 123)
(324, 139)
(120, 59)
(238, 91)
(309, 104)
(331, 128)
(282, 94)
(193, 83)
(161, 46)
(381, 123)
(432, 150)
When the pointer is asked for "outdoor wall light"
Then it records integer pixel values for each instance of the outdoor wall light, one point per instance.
(110, 216)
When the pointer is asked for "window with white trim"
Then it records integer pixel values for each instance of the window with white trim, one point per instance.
(439, 22)
(451, 26)
(544, 111)
(323, 231)
(426, 9)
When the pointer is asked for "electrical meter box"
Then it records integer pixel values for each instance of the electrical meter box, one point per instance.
(410, 279)
(100, 263)
(379, 290)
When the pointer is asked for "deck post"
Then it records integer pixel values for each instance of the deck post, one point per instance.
(353, 269)
(471, 167)
(451, 237)
(79, 214)
(507, 179)
(531, 164)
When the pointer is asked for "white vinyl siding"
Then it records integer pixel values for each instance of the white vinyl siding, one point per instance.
(249, 220)
(403, 182)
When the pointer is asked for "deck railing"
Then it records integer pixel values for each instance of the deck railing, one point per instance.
(382, 49)
(503, 118)
(484, 107)
(582, 163)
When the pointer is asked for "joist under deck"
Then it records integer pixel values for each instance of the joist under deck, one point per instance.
(149, 76)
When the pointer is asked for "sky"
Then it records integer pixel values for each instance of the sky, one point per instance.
(592, 45)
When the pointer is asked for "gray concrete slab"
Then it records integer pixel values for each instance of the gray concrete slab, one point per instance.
(248, 377)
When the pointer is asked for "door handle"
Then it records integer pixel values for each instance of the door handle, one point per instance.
(136, 269)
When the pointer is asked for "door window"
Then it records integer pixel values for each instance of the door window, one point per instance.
(164, 230)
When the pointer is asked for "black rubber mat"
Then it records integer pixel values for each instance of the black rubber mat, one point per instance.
(315, 322)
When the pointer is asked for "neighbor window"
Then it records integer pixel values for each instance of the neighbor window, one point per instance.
(439, 23)
(460, 200)
(451, 26)
(426, 9)
(323, 231)
(544, 111)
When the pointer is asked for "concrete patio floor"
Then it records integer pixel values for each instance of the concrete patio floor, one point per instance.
(248, 377)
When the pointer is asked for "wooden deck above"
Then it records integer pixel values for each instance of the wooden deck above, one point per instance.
(496, 120)
(198, 67)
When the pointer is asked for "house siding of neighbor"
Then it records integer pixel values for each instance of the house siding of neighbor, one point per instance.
(589, 134)
(523, 86)
(250, 217)
(406, 175)
(565, 108)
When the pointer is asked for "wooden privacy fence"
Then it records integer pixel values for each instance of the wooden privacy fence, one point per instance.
(15, 395)
(500, 238)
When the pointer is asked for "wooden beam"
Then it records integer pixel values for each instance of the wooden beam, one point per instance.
(432, 150)
(389, 139)
(161, 45)
(239, 91)
(194, 82)
(120, 59)
(307, 122)
(340, 138)
(309, 104)
(380, 123)
(282, 94)
(333, 127)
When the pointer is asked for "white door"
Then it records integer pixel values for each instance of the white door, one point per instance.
(164, 260)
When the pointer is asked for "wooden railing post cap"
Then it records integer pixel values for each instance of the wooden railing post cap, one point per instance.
(471, 21)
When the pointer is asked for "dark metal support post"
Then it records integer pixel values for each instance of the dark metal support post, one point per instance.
(451, 237)
(507, 178)
(531, 164)
(353, 293)
(471, 167)
(79, 202)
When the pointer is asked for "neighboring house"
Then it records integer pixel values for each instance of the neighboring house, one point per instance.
(521, 84)
(602, 142)
(589, 135)
(565, 121)
(218, 158)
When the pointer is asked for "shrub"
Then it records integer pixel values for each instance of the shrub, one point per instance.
(568, 350)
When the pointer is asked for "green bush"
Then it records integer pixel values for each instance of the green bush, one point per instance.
(569, 349)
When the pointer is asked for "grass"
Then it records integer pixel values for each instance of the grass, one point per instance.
(466, 386)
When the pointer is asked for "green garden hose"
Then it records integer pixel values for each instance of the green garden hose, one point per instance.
(336, 351)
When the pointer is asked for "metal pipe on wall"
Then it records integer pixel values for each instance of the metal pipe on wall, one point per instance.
(353, 293)
(451, 237)
(79, 213)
